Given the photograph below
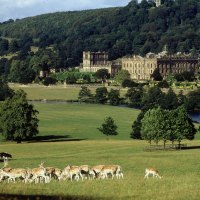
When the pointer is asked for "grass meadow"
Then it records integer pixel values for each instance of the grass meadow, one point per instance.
(69, 135)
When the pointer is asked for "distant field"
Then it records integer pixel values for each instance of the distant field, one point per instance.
(180, 170)
(37, 92)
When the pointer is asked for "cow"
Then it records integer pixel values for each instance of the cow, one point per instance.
(153, 172)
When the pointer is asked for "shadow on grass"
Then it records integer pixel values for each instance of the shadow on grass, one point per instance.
(54, 138)
(190, 147)
(43, 197)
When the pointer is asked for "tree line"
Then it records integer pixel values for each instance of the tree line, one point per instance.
(137, 28)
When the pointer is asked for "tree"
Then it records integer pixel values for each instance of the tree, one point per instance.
(156, 75)
(153, 97)
(121, 76)
(129, 83)
(163, 84)
(114, 97)
(170, 100)
(85, 95)
(193, 101)
(18, 118)
(136, 127)
(134, 96)
(49, 81)
(102, 74)
(5, 91)
(153, 125)
(108, 127)
(182, 126)
(101, 95)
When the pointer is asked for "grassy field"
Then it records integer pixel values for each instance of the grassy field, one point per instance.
(80, 121)
(180, 170)
(69, 135)
(59, 92)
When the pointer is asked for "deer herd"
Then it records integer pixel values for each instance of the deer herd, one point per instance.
(43, 174)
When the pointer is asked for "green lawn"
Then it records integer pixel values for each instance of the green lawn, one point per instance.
(81, 121)
(180, 170)
(58, 92)
(81, 143)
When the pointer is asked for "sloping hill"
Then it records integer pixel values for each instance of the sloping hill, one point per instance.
(135, 28)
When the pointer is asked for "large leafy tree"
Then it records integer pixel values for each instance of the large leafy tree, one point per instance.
(181, 125)
(108, 127)
(101, 95)
(85, 94)
(153, 125)
(134, 96)
(114, 97)
(18, 118)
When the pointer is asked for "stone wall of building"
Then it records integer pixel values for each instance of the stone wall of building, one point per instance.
(93, 61)
(141, 68)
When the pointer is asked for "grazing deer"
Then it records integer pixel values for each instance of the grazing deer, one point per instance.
(153, 172)
(39, 174)
(72, 171)
(111, 170)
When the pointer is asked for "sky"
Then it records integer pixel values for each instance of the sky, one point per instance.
(17, 9)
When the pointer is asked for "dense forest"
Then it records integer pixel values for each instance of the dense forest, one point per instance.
(136, 28)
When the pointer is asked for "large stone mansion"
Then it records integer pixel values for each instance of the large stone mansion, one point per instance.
(140, 68)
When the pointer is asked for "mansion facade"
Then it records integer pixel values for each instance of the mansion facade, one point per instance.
(93, 61)
(141, 68)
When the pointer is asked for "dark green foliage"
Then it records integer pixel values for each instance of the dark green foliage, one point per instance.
(170, 100)
(101, 95)
(85, 95)
(20, 72)
(13, 46)
(129, 83)
(3, 46)
(154, 96)
(121, 76)
(163, 84)
(185, 76)
(193, 101)
(5, 91)
(49, 81)
(134, 96)
(18, 118)
(156, 75)
(136, 127)
(114, 97)
(108, 127)
(102, 74)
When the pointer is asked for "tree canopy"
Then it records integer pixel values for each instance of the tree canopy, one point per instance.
(18, 118)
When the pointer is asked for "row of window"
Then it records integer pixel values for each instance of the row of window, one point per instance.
(130, 65)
